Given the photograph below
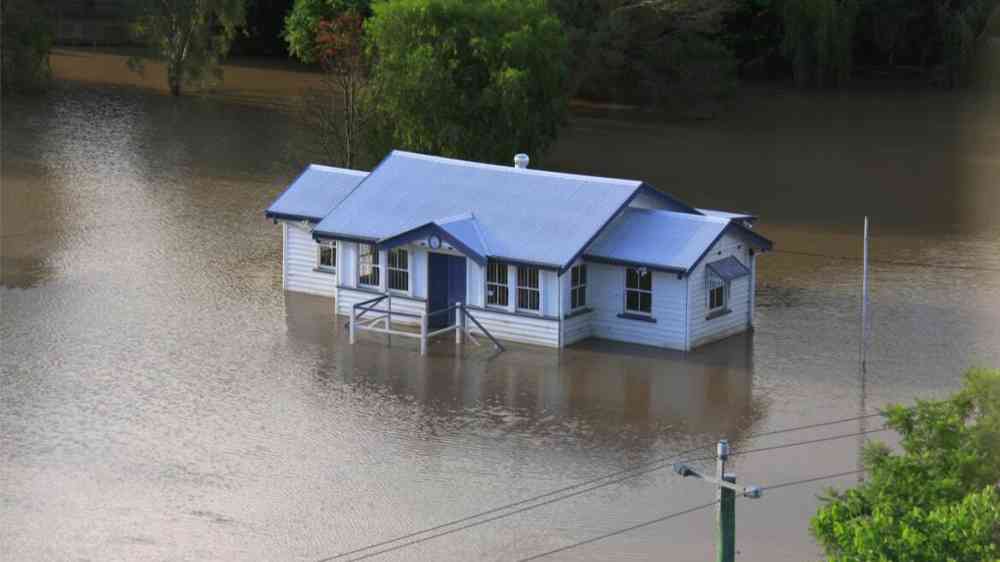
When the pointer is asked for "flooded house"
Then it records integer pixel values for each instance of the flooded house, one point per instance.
(532, 256)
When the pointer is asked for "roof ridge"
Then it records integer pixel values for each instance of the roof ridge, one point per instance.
(689, 216)
(510, 169)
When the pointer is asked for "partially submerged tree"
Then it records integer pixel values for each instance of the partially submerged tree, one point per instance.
(27, 39)
(939, 499)
(303, 22)
(474, 80)
(340, 111)
(191, 37)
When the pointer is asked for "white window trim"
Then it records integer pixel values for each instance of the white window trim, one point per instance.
(319, 256)
(517, 291)
(377, 263)
(408, 270)
(709, 276)
(627, 289)
(487, 283)
(572, 287)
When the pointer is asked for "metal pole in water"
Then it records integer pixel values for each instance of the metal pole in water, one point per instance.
(863, 372)
(459, 322)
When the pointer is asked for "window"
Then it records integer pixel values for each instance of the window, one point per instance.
(399, 269)
(497, 292)
(528, 294)
(718, 291)
(578, 286)
(368, 266)
(638, 290)
(327, 258)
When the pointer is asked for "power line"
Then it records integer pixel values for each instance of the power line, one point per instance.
(656, 464)
(890, 262)
(679, 513)
(815, 479)
(800, 443)
(619, 532)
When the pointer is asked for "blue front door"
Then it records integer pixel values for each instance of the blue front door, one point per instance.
(445, 287)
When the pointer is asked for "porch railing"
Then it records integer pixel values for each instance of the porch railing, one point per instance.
(382, 323)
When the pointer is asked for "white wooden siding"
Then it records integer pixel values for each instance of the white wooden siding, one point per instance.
(299, 263)
(348, 256)
(703, 330)
(576, 328)
(518, 327)
(606, 296)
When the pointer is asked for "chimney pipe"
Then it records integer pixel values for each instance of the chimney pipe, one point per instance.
(521, 161)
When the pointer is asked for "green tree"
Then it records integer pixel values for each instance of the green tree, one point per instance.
(302, 24)
(191, 37)
(476, 80)
(27, 40)
(938, 500)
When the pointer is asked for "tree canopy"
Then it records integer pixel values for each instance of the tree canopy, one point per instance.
(474, 80)
(190, 36)
(27, 39)
(938, 500)
(302, 24)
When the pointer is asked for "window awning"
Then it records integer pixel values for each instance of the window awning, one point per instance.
(728, 268)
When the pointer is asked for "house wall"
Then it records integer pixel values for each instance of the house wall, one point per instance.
(576, 324)
(606, 296)
(703, 330)
(299, 256)
(518, 327)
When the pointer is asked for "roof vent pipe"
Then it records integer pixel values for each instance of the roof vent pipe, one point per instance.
(521, 161)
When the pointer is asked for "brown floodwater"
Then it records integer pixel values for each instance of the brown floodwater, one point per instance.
(162, 399)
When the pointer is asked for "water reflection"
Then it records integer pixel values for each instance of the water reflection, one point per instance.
(611, 394)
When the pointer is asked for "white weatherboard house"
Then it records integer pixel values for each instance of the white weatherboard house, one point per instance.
(535, 256)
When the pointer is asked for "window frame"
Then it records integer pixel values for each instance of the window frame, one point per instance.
(639, 290)
(390, 269)
(502, 282)
(537, 289)
(578, 286)
(374, 267)
(332, 246)
(714, 282)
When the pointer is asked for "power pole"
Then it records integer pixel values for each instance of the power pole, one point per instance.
(726, 494)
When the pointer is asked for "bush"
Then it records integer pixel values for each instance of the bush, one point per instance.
(27, 39)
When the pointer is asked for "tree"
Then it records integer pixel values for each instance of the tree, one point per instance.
(191, 37)
(475, 80)
(302, 24)
(819, 40)
(340, 111)
(939, 499)
(27, 40)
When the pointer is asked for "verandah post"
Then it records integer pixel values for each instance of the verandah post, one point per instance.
(459, 322)
(423, 334)
(354, 312)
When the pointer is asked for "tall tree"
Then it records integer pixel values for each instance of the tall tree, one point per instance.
(939, 499)
(339, 112)
(191, 37)
(302, 24)
(476, 80)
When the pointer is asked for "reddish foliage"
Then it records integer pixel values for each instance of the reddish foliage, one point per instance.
(340, 38)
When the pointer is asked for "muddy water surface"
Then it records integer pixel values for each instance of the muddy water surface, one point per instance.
(163, 400)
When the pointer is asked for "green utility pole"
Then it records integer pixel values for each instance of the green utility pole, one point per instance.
(726, 511)
(726, 494)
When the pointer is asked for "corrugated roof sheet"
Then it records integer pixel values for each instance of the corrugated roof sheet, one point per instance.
(728, 268)
(664, 239)
(524, 214)
(466, 229)
(317, 190)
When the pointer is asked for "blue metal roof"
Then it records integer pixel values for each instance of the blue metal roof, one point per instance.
(660, 239)
(728, 268)
(527, 215)
(317, 190)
